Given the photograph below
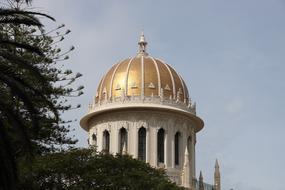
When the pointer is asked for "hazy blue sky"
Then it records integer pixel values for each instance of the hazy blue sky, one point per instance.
(231, 55)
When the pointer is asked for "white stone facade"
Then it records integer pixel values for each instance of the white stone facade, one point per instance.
(152, 121)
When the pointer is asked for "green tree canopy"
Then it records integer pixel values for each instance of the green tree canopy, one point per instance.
(87, 169)
(34, 89)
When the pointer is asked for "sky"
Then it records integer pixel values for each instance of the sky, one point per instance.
(230, 54)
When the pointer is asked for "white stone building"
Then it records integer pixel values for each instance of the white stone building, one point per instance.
(142, 107)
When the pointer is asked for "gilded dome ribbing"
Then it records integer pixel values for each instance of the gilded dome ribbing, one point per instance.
(142, 75)
(141, 83)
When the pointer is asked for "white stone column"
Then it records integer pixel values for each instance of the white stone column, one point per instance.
(115, 140)
(182, 148)
(186, 181)
(112, 134)
(193, 154)
(129, 140)
(172, 156)
(99, 139)
(147, 145)
(154, 141)
(166, 148)
(135, 140)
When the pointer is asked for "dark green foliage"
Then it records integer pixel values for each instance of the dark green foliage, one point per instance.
(86, 169)
(33, 90)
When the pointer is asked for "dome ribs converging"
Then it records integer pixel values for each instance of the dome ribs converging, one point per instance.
(143, 76)
(186, 90)
(119, 79)
(127, 76)
(158, 76)
(103, 92)
(98, 95)
(179, 85)
(143, 79)
(134, 78)
(172, 80)
(150, 78)
(183, 87)
(166, 82)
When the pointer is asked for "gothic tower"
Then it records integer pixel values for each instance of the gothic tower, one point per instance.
(217, 176)
(201, 183)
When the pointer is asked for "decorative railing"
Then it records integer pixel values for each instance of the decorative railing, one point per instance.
(189, 107)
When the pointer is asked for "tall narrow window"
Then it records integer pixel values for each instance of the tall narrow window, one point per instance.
(160, 146)
(106, 141)
(94, 140)
(189, 143)
(123, 139)
(142, 144)
(177, 147)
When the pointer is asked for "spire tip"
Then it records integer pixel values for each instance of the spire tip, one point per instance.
(216, 163)
(142, 44)
(201, 176)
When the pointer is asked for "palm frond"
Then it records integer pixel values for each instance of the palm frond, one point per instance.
(9, 12)
(25, 21)
(20, 93)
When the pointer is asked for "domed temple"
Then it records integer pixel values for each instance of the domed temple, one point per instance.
(142, 108)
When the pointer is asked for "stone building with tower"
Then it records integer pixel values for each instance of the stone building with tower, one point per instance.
(142, 108)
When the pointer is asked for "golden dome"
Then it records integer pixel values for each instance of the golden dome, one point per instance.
(143, 76)
(142, 83)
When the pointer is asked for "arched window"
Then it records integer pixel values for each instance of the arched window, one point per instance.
(160, 146)
(177, 147)
(142, 144)
(123, 137)
(94, 139)
(106, 141)
(189, 145)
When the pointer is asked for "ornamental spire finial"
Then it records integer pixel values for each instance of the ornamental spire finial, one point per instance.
(217, 176)
(201, 183)
(142, 44)
(216, 163)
